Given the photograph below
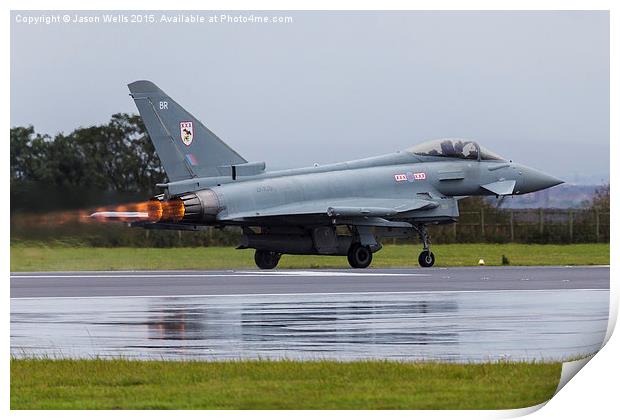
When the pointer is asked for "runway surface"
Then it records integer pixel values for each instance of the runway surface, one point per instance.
(187, 283)
(457, 314)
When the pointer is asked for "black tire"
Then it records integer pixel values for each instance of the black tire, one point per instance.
(266, 260)
(359, 256)
(426, 259)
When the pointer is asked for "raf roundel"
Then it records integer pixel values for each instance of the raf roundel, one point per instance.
(187, 132)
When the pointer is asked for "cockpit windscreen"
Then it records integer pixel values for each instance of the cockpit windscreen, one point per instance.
(486, 154)
(454, 148)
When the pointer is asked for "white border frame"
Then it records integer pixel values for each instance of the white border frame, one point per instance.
(592, 393)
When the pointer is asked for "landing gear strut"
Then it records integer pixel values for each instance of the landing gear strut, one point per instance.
(266, 260)
(426, 257)
(359, 256)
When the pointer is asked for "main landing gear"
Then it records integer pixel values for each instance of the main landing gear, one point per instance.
(266, 260)
(359, 256)
(426, 257)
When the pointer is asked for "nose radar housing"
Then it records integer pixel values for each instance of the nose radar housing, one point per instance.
(531, 180)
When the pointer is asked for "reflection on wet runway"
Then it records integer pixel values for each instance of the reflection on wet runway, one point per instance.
(454, 326)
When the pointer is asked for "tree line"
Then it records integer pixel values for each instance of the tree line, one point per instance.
(88, 166)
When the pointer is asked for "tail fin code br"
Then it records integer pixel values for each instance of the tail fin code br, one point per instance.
(186, 148)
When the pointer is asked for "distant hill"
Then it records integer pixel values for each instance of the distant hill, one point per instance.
(560, 197)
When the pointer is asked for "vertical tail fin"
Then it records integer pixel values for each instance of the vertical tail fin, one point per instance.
(186, 148)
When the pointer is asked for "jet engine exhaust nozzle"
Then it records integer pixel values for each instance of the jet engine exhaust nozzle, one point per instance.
(201, 206)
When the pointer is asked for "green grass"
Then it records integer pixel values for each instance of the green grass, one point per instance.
(123, 384)
(57, 258)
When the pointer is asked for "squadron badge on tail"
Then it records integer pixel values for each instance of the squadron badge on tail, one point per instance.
(187, 132)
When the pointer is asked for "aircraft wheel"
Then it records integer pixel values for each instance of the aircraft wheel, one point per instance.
(266, 260)
(359, 256)
(426, 259)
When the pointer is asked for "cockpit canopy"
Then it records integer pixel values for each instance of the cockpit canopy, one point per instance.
(454, 148)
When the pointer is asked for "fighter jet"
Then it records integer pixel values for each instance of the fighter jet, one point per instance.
(342, 209)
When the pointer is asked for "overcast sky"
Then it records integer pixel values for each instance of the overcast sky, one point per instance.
(332, 86)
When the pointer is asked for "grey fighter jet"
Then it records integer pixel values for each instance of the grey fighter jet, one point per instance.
(343, 209)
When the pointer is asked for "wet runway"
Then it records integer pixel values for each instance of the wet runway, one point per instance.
(465, 314)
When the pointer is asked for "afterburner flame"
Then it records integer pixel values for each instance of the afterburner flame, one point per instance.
(152, 211)
(148, 211)
(56, 218)
(155, 210)
(166, 211)
(172, 210)
(131, 212)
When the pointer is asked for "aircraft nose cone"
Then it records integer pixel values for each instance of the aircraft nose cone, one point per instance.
(531, 180)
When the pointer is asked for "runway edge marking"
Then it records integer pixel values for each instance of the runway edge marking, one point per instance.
(224, 272)
(241, 274)
(306, 294)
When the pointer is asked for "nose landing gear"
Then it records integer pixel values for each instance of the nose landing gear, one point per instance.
(426, 257)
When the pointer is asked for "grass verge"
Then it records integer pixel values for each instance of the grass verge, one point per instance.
(59, 258)
(124, 384)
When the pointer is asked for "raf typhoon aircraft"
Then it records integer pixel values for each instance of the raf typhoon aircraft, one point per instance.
(338, 209)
